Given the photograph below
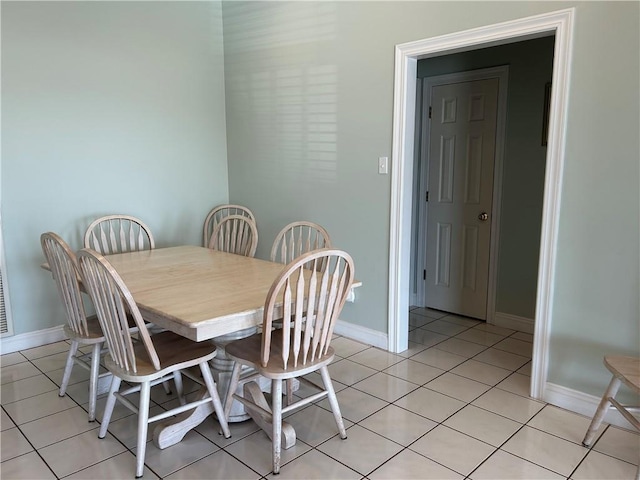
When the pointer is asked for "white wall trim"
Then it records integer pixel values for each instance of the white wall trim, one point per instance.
(559, 23)
(514, 322)
(38, 338)
(361, 334)
(581, 403)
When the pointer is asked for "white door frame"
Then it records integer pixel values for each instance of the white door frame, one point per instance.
(559, 23)
(502, 74)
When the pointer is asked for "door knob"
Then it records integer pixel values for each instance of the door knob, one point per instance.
(483, 217)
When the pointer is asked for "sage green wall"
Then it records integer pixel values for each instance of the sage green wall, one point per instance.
(530, 68)
(107, 107)
(309, 110)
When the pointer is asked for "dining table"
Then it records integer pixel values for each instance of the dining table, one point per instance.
(204, 295)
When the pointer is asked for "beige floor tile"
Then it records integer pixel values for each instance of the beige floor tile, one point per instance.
(18, 371)
(481, 372)
(494, 329)
(412, 350)
(430, 404)
(597, 466)
(78, 374)
(414, 372)
(445, 445)
(314, 425)
(79, 452)
(126, 429)
(541, 448)
(504, 466)
(483, 425)
(512, 345)
(509, 405)
(219, 466)
(439, 358)
(54, 362)
(255, 452)
(355, 405)
(26, 467)
(376, 358)
(13, 444)
(11, 359)
(417, 321)
(239, 430)
(190, 449)
(5, 421)
(460, 320)
(620, 443)
(426, 337)
(516, 383)
(460, 347)
(398, 424)
(445, 328)
(45, 350)
(525, 369)
(428, 312)
(525, 337)
(457, 387)
(409, 465)
(120, 466)
(28, 387)
(349, 372)
(345, 347)
(502, 359)
(314, 465)
(350, 451)
(59, 426)
(482, 337)
(563, 423)
(38, 406)
(386, 387)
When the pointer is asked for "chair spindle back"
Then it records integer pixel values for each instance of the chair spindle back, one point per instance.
(298, 238)
(217, 214)
(118, 234)
(235, 234)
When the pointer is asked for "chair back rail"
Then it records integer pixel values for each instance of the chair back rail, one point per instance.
(62, 262)
(113, 301)
(118, 234)
(297, 238)
(217, 214)
(235, 234)
(309, 301)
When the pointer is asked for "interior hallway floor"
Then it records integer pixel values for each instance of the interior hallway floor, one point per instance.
(454, 406)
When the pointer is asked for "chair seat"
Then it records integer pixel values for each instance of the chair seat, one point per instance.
(626, 369)
(172, 350)
(247, 351)
(95, 332)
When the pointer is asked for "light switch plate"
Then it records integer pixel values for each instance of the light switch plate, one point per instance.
(383, 165)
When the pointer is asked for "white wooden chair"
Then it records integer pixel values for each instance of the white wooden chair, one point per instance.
(149, 361)
(624, 370)
(235, 234)
(217, 214)
(298, 238)
(80, 329)
(312, 303)
(118, 234)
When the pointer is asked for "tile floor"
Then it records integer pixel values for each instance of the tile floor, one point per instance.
(453, 406)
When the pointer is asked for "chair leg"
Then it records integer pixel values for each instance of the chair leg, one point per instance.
(93, 380)
(276, 419)
(177, 379)
(108, 408)
(603, 406)
(215, 398)
(167, 387)
(333, 401)
(289, 393)
(143, 425)
(233, 385)
(68, 367)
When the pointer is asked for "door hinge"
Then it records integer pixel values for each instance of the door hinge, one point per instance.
(426, 197)
(430, 111)
(424, 274)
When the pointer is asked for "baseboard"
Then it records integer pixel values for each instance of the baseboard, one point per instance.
(514, 322)
(362, 334)
(581, 403)
(38, 338)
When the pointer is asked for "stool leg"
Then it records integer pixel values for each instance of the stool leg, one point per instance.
(611, 391)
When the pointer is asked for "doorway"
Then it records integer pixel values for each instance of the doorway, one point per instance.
(407, 55)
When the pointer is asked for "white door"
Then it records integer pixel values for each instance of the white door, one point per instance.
(462, 146)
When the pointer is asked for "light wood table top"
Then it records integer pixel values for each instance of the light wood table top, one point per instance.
(197, 292)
